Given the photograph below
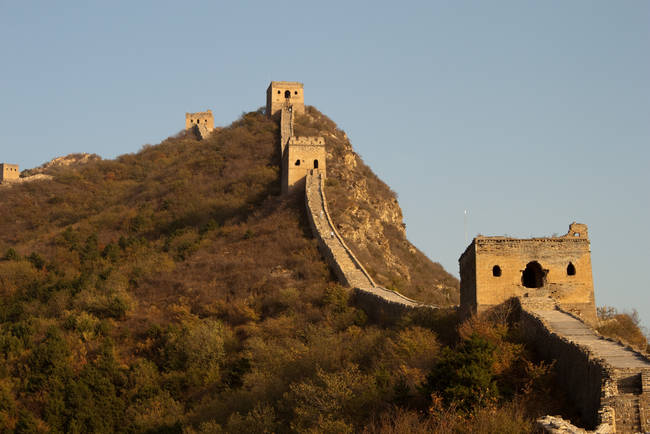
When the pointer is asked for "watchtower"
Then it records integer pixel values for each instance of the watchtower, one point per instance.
(285, 93)
(494, 269)
(202, 121)
(9, 172)
(302, 155)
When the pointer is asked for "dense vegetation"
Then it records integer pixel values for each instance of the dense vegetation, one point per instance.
(173, 290)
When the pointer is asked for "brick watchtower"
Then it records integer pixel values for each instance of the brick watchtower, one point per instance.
(285, 93)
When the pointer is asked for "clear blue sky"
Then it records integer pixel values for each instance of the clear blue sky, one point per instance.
(529, 114)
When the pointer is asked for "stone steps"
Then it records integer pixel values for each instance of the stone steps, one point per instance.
(577, 332)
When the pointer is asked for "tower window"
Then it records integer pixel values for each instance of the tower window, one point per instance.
(297, 162)
(496, 271)
(295, 92)
(315, 164)
(287, 94)
(533, 275)
(278, 92)
(570, 269)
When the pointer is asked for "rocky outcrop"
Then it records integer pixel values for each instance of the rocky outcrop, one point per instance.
(68, 160)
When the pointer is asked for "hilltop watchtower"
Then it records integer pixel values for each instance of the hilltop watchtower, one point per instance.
(494, 269)
(302, 155)
(285, 93)
(202, 121)
(9, 172)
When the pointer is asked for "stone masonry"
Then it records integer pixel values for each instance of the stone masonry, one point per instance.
(494, 269)
(301, 156)
(284, 93)
(202, 121)
(9, 172)
(549, 278)
(347, 268)
(606, 380)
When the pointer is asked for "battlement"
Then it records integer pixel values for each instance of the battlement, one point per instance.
(202, 121)
(306, 141)
(285, 93)
(9, 172)
(494, 269)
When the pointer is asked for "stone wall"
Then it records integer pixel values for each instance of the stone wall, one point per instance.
(379, 303)
(286, 128)
(344, 264)
(202, 121)
(584, 378)
(284, 93)
(9, 172)
(493, 269)
(467, 263)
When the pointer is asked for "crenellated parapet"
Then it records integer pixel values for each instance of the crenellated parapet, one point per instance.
(306, 141)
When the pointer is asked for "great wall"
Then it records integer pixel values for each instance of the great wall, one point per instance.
(608, 381)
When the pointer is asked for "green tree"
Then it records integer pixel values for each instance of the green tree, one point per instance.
(464, 376)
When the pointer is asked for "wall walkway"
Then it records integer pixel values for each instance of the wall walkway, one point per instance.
(347, 268)
(608, 382)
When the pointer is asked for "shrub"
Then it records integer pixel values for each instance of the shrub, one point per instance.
(464, 377)
(623, 326)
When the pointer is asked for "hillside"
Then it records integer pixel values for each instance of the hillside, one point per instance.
(174, 290)
(370, 220)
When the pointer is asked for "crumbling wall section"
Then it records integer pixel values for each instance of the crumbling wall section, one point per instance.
(203, 122)
(494, 269)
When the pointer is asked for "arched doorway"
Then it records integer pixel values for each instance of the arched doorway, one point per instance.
(287, 94)
(533, 275)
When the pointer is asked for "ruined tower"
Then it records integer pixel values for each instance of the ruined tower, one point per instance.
(285, 94)
(494, 269)
(9, 172)
(202, 121)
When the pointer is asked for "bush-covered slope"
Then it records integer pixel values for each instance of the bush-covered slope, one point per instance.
(173, 290)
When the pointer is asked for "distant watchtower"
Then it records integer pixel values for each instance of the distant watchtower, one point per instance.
(9, 172)
(202, 121)
(285, 93)
(494, 269)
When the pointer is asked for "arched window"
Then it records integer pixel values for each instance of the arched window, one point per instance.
(315, 164)
(297, 162)
(287, 94)
(295, 92)
(279, 92)
(533, 275)
(496, 271)
(570, 269)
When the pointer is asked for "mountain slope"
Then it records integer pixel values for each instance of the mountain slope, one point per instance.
(370, 220)
(174, 290)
